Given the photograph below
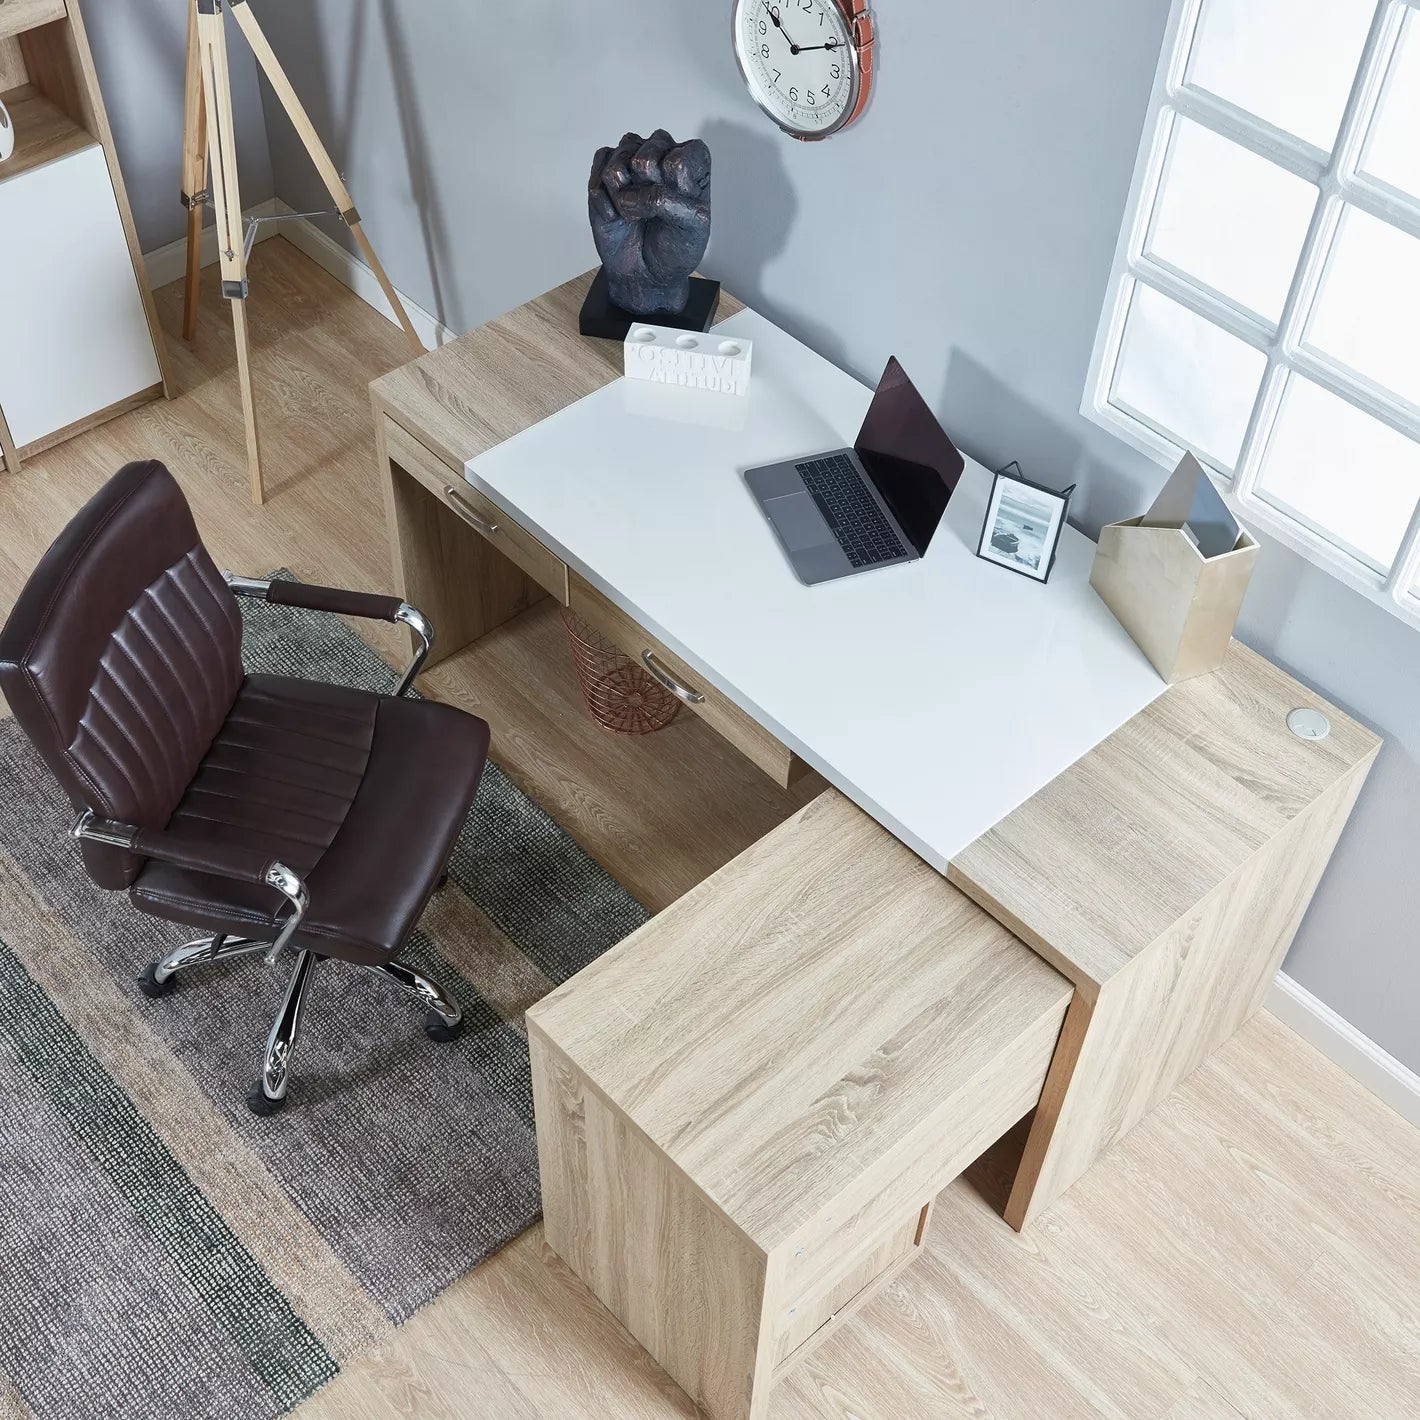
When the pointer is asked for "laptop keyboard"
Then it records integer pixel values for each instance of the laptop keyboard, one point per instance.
(857, 521)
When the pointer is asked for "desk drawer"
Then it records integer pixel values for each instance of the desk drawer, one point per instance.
(485, 517)
(723, 715)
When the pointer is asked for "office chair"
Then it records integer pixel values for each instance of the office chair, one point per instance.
(272, 814)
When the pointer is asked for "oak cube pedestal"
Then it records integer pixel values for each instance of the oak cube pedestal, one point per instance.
(745, 1110)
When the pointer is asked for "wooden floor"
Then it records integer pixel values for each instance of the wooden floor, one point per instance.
(1252, 1249)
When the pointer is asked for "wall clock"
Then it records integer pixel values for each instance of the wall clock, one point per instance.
(807, 63)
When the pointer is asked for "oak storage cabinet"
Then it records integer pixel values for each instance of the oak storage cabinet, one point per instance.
(79, 338)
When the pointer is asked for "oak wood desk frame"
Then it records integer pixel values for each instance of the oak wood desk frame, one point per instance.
(1164, 874)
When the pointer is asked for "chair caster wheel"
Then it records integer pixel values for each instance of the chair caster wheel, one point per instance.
(260, 1103)
(437, 1028)
(154, 989)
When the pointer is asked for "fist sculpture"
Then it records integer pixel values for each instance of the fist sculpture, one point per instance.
(649, 201)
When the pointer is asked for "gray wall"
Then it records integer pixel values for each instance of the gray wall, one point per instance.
(139, 50)
(967, 225)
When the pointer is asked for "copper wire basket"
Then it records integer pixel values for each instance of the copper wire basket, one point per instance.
(620, 695)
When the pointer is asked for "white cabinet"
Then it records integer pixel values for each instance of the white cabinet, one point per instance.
(74, 335)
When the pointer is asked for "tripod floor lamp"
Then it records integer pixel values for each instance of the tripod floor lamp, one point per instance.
(209, 138)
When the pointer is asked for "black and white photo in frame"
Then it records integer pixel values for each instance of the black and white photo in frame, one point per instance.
(1023, 524)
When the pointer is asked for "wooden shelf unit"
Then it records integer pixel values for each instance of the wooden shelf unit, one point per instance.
(49, 84)
(43, 132)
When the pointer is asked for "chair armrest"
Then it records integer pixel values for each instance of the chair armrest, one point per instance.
(242, 865)
(369, 605)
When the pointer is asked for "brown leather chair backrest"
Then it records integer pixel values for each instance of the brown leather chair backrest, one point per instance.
(122, 657)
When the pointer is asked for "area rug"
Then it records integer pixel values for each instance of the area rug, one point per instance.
(163, 1253)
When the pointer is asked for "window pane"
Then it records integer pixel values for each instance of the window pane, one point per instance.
(1392, 150)
(1290, 62)
(1185, 375)
(1368, 313)
(1347, 474)
(1229, 218)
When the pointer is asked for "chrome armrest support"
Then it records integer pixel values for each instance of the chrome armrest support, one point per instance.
(276, 874)
(247, 586)
(279, 876)
(104, 830)
(419, 624)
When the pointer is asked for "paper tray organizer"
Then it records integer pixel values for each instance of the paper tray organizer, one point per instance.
(1178, 603)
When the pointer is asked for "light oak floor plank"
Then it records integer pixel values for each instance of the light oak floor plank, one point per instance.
(1251, 1250)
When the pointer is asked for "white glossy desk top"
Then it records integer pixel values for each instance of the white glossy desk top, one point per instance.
(938, 694)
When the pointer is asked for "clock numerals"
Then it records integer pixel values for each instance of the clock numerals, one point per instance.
(804, 76)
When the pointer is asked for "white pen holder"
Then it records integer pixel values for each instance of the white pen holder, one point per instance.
(691, 359)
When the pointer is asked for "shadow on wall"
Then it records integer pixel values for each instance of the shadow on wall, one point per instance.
(334, 104)
(423, 193)
(297, 30)
(747, 230)
(992, 423)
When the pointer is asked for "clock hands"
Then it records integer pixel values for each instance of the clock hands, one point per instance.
(796, 48)
(779, 25)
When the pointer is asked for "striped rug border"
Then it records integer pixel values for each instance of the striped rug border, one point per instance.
(278, 1345)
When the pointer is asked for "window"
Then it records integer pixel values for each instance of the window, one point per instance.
(1264, 306)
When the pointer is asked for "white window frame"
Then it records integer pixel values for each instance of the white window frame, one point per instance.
(1339, 181)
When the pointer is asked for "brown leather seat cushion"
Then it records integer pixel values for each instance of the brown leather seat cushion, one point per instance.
(362, 795)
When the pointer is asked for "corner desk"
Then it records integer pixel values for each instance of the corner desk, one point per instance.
(1041, 880)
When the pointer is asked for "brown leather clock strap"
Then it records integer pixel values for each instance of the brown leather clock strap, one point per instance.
(860, 28)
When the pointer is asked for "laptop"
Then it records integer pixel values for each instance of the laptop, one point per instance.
(870, 506)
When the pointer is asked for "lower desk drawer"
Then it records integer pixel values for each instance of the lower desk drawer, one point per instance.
(857, 1275)
(481, 514)
(723, 715)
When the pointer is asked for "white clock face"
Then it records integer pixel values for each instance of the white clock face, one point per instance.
(798, 60)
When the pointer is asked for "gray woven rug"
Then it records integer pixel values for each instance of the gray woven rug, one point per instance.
(163, 1253)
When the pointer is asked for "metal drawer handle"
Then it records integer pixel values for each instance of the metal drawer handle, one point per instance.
(465, 510)
(690, 697)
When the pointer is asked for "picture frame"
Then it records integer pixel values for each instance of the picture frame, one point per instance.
(1023, 523)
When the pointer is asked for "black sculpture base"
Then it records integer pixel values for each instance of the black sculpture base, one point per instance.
(602, 317)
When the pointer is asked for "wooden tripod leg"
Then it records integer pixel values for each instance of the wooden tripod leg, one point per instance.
(330, 174)
(239, 327)
(352, 220)
(194, 172)
(8, 457)
(227, 199)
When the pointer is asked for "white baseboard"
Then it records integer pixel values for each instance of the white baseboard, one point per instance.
(1358, 1055)
(352, 272)
(168, 264)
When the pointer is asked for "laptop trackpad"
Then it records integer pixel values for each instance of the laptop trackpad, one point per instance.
(798, 522)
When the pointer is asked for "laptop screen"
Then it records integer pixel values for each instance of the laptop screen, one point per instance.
(908, 455)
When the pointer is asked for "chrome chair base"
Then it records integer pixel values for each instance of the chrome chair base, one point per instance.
(267, 1095)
